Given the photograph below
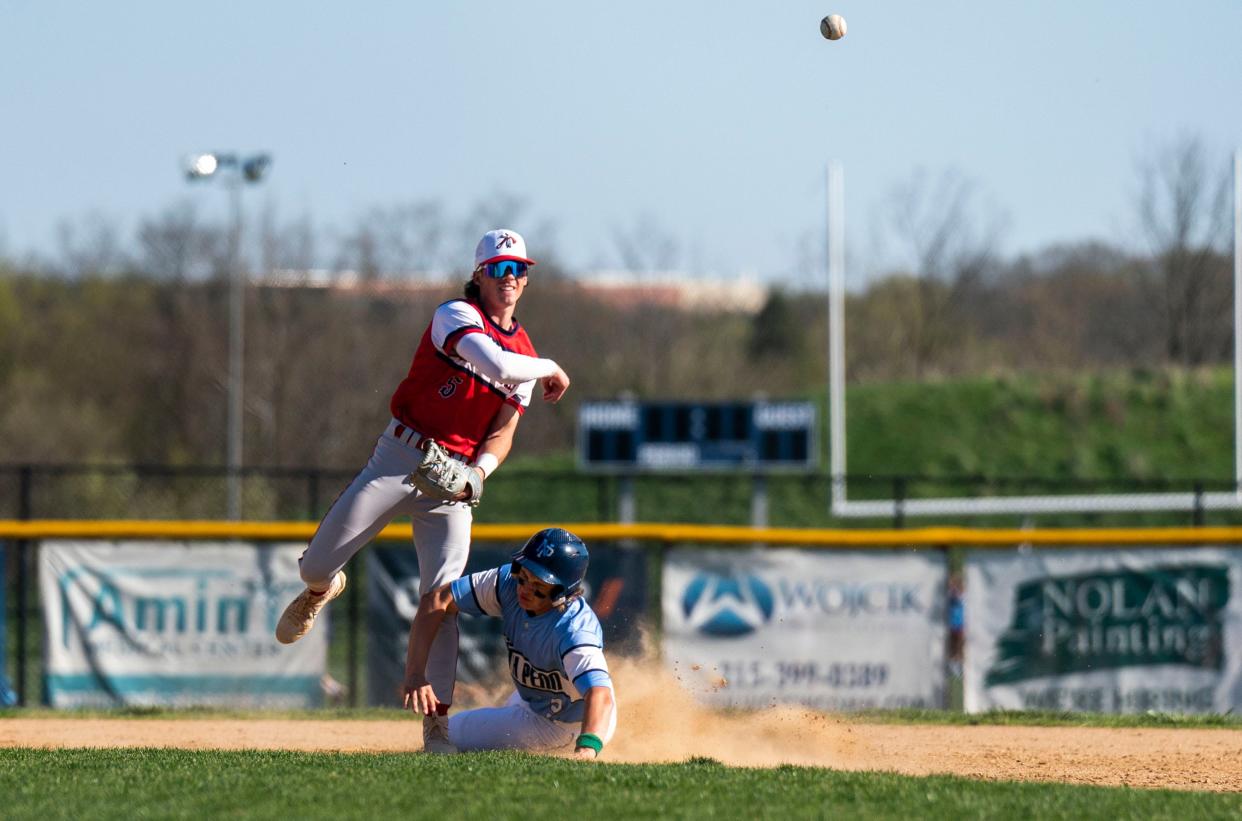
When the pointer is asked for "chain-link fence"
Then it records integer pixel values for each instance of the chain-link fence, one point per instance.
(162, 492)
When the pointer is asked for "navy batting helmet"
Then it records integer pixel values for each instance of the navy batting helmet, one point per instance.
(556, 557)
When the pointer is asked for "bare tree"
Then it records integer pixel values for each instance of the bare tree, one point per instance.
(937, 231)
(1183, 210)
(89, 246)
(1070, 306)
(285, 247)
(405, 240)
(647, 246)
(177, 245)
(414, 235)
(359, 251)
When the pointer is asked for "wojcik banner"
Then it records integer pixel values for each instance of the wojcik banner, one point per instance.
(1113, 631)
(173, 623)
(833, 630)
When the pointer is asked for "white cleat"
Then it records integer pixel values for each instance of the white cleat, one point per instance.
(436, 737)
(299, 616)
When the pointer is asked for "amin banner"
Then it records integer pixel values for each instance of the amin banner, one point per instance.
(834, 630)
(1115, 631)
(174, 623)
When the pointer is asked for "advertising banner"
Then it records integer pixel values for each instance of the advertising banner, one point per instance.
(616, 589)
(1112, 631)
(7, 697)
(839, 630)
(176, 624)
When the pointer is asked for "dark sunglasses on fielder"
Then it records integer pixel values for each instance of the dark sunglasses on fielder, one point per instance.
(506, 267)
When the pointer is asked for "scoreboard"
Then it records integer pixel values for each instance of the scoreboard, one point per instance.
(625, 436)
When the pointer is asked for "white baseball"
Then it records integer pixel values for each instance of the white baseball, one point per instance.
(832, 27)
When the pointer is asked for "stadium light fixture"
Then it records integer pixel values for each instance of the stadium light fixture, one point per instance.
(201, 165)
(205, 166)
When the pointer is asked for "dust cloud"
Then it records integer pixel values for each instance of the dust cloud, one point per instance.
(660, 719)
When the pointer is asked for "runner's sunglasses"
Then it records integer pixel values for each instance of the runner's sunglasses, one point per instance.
(506, 267)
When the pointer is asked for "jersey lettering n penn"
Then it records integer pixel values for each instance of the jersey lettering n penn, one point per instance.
(554, 658)
(531, 677)
(444, 396)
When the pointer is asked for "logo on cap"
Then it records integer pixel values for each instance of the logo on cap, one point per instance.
(505, 240)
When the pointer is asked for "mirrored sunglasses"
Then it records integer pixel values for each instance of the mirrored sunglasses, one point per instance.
(506, 267)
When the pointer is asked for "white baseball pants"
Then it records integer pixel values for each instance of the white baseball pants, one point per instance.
(511, 727)
(515, 726)
(378, 494)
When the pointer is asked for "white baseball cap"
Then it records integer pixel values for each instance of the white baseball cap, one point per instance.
(499, 244)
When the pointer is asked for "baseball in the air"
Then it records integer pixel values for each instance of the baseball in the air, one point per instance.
(832, 27)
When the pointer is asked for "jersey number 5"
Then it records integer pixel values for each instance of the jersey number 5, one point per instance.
(450, 387)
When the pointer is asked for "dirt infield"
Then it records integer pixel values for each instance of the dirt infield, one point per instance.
(662, 720)
(1178, 759)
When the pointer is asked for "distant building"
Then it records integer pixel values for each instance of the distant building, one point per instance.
(674, 290)
(623, 289)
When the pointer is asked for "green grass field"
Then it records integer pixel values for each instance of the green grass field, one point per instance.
(183, 784)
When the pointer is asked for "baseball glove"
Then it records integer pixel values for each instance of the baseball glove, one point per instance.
(442, 477)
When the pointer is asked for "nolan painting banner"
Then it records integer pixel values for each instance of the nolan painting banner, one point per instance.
(833, 630)
(174, 623)
(1113, 631)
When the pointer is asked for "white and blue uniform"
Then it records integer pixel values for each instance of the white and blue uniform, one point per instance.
(554, 658)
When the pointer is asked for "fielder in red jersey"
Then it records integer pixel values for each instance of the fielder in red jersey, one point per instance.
(471, 378)
(444, 396)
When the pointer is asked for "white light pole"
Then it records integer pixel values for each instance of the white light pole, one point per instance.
(1237, 323)
(234, 170)
(836, 332)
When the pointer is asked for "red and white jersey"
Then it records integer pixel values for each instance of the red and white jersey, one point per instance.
(444, 396)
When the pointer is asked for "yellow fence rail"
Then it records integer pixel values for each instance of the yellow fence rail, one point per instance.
(36, 529)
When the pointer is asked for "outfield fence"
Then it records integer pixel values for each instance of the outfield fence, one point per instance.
(270, 493)
(1108, 619)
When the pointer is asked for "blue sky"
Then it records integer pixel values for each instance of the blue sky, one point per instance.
(712, 120)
